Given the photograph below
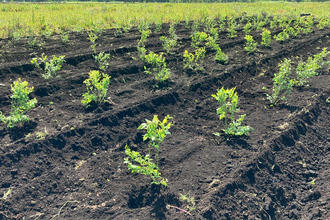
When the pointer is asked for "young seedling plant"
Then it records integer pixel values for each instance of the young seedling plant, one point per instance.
(228, 101)
(197, 38)
(156, 132)
(97, 88)
(306, 70)
(194, 60)
(20, 104)
(141, 45)
(145, 167)
(50, 67)
(251, 45)
(158, 66)
(221, 56)
(102, 60)
(170, 42)
(92, 36)
(282, 83)
(266, 37)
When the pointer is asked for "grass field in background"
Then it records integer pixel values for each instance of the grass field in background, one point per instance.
(26, 18)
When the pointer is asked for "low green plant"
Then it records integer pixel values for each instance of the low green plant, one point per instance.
(221, 56)
(171, 42)
(97, 29)
(251, 45)
(157, 66)
(189, 200)
(40, 135)
(273, 23)
(168, 43)
(145, 167)
(92, 36)
(34, 42)
(282, 83)
(194, 60)
(293, 31)
(143, 25)
(16, 36)
(102, 60)
(158, 26)
(186, 21)
(282, 36)
(260, 25)
(50, 67)
(47, 32)
(228, 101)
(232, 33)
(141, 45)
(195, 27)
(172, 31)
(127, 26)
(247, 28)
(97, 88)
(20, 104)
(306, 70)
(118, 32)
(266, 37)
(198, 38)
(65, 37)
(156, 132)
(323, 22)
(209, 24)
(214, 33)
(211, 42)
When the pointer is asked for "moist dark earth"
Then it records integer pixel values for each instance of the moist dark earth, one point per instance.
(280, 171)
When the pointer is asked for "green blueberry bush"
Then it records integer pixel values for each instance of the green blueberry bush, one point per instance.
(228, 101)
(97, 88)
(20, 104)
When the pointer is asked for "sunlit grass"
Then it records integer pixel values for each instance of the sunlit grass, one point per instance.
(83, 16)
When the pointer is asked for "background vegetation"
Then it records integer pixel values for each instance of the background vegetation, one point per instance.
(41, 19)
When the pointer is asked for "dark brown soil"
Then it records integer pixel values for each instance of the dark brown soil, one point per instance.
(280, 171)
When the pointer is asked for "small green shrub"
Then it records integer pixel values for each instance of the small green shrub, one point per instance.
(65, 37)
(20, 104)
(282, 83)
(97, 88)
(145, 167)
(198, 38)
(102, 60)
(168, 43)
(158, 26)
(282, 36)
(92, 36)
(251, 45)
(221, 56)
(214, 33)
(194, 60)
(306, 70)
(143, 26)
(156, 132)
(228, 101)
(158, 66)
(232, 33)
(50, 67)
(141, 45)
(118, 32)
(247, 28)
(266, 37)
(211, 42)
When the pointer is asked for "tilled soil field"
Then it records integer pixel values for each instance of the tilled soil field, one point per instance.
(280, 171)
